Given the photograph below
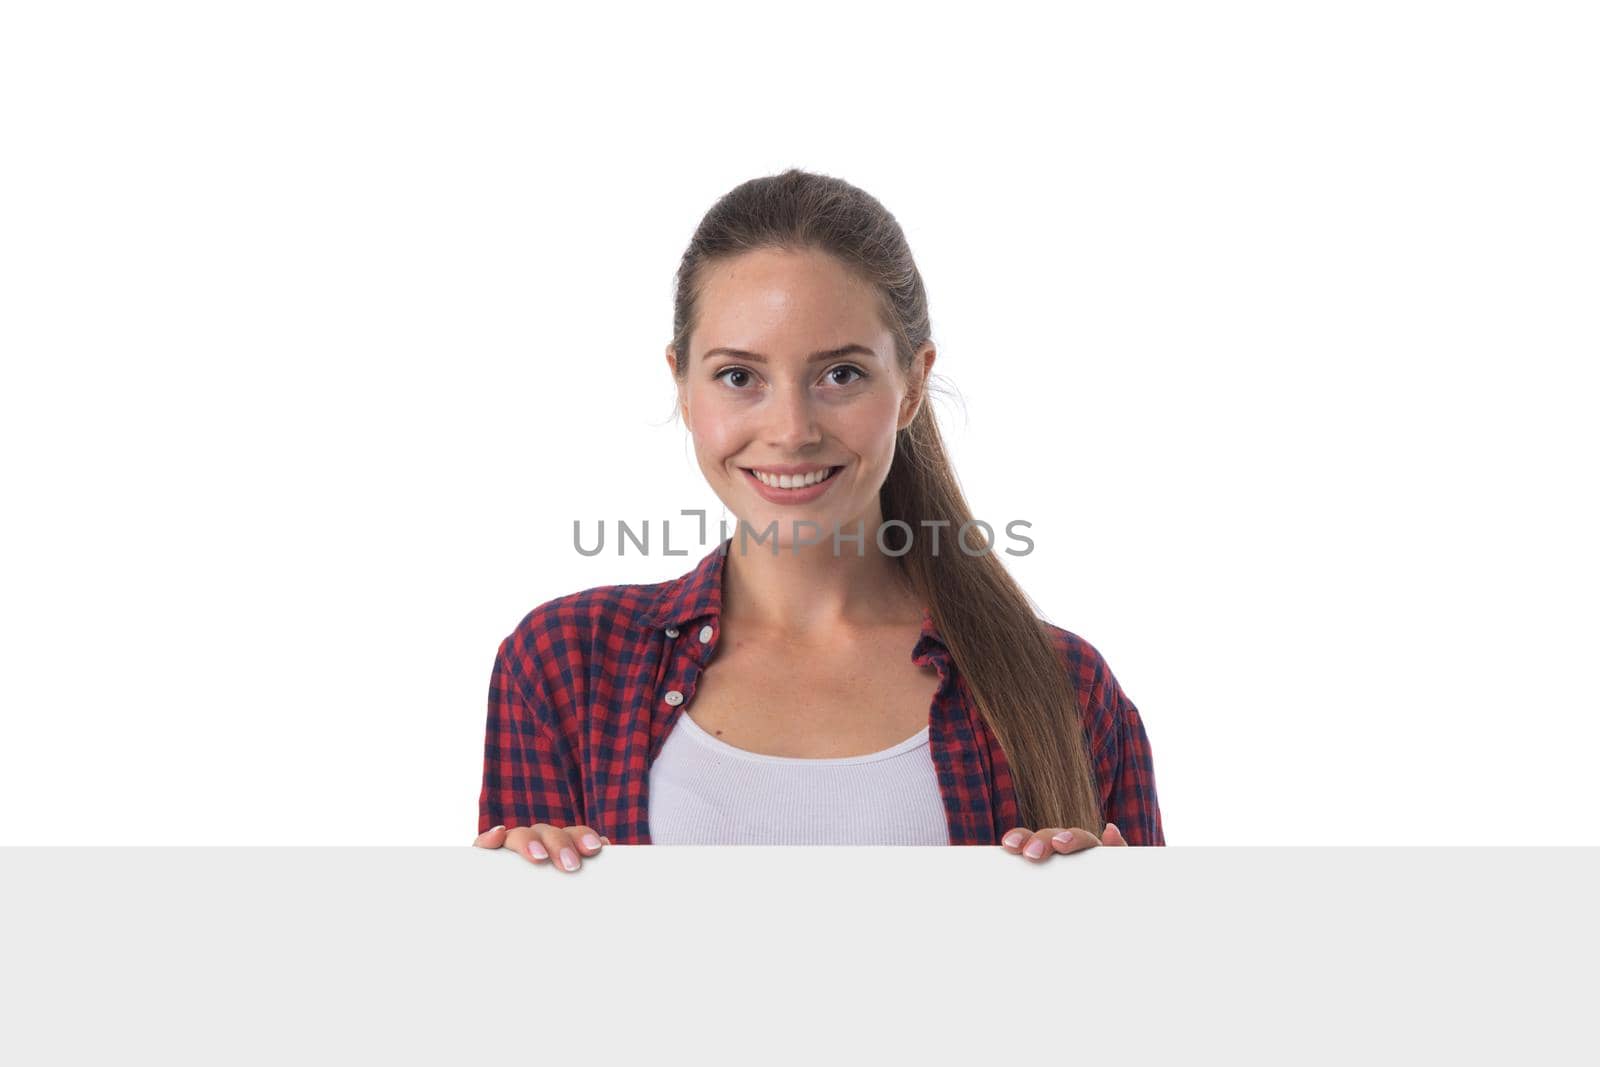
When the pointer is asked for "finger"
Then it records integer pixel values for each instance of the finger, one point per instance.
(1014, 839)
(589, 842)
(1037, 847)
(1073, 839)
(493, 837)
(527, 842)
(563, 846)
(1113, 836)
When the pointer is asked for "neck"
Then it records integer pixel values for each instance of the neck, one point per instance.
(809, 589)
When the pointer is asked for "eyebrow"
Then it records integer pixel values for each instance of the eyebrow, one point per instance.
(832, 353)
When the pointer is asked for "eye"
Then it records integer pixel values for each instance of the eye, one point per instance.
(847, 368)
(731, 370)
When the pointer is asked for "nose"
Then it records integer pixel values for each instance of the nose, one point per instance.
(793, 423)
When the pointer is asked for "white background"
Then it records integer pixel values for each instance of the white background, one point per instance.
(322, 322)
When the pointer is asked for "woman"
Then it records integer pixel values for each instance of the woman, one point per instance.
(839, 670)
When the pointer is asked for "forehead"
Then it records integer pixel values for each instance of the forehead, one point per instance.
(782, 303)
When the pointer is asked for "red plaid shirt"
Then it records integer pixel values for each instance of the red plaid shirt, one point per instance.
(579, 710)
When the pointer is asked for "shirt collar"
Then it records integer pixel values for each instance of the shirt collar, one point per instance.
(698, 594)
(691, 596)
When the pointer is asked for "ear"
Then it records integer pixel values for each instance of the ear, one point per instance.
(683, 399)
(917, 386)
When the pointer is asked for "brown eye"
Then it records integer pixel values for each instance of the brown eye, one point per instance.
(731, 371)
(847, 370)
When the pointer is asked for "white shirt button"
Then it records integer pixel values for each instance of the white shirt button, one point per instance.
(705, 635)
(672, 631)
(674, 697)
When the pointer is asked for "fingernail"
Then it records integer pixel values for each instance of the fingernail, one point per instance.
(537, 851)
(1035, 848)
(1113, 826)
(492, 829)
(1013, 839)
(569, 859)
(1063, 838)
(590, 841)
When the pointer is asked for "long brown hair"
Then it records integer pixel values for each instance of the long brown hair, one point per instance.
(1002, 650)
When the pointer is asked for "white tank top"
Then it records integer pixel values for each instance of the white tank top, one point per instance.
(704, 791)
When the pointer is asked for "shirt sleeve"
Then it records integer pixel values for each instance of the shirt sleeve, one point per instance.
(1125, 770)
(528, 774)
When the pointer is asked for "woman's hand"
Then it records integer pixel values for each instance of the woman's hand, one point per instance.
(537, 843)
(1040, 846)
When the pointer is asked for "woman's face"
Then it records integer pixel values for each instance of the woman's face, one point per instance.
(792, 376)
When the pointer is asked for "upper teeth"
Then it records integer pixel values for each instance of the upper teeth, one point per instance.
(792, 481)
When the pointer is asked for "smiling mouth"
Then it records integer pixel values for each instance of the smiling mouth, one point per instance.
(792, 481)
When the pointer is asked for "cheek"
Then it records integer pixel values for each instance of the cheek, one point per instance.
(872, 428)
(718, 433)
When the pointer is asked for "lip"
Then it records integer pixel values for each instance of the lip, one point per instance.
(791, 496)
(791, 468)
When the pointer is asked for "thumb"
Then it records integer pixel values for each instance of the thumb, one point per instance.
(1113, 836)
